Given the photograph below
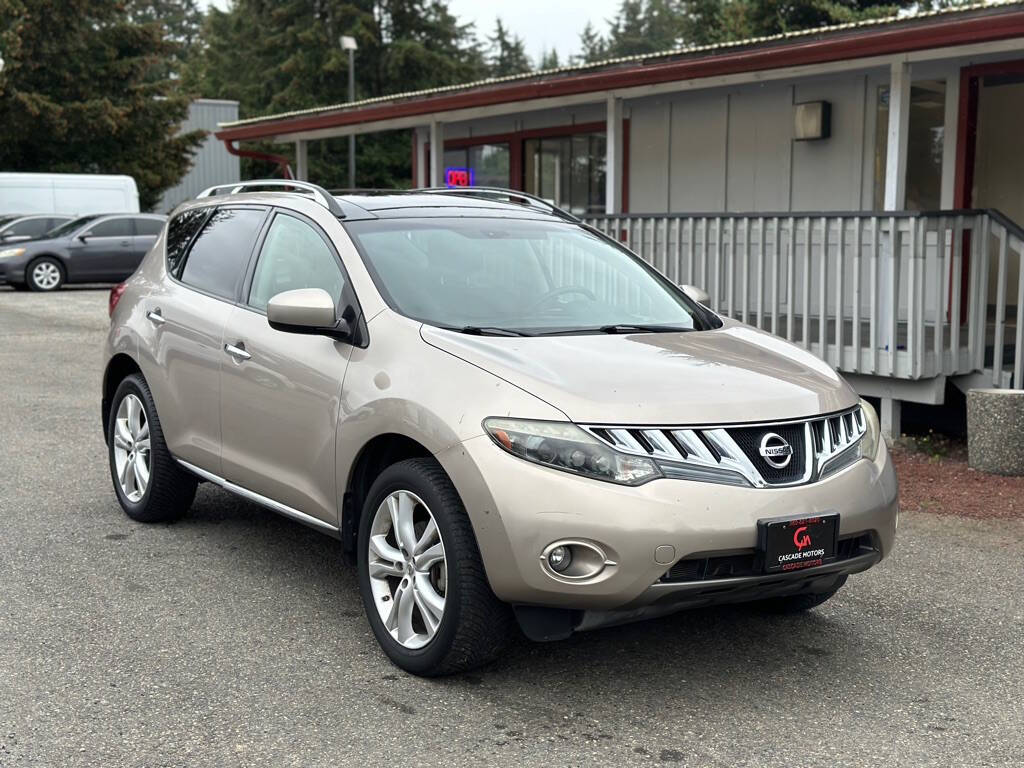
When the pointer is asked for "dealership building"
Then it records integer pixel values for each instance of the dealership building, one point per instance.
(856, 189)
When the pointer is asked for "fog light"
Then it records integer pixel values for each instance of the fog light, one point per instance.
(560, 558)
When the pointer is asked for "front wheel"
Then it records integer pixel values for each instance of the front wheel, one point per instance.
(45, 274)
(421, 577)
(151, 486)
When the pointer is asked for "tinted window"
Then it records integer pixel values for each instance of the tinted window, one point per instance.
(180, 232)
(148, 227)
(112, 228)
(71, 226)
(30, 227)
(220, 252)
(294, 256)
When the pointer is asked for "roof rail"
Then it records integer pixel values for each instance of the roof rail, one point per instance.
(318, 193)
(513, 195)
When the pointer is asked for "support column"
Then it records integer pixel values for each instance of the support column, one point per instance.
(436, 153)
(301, 160)
(896, 146)
(890, 418)
(950, 129)
(419, 137)
(613, 165)
(895, 200)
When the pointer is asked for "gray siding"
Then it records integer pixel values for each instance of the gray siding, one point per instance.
(732, 149)
(212, 163)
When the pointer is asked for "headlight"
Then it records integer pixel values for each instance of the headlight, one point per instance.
(564, 446)
(9, 253)
(869, 443)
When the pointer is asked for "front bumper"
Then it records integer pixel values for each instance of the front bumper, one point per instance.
(518, 509)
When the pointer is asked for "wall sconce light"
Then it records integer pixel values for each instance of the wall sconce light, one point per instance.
(812, 120)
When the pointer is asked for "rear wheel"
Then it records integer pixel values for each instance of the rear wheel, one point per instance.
(799, 603)
(151, 486)
(45, 274)
(421, 577)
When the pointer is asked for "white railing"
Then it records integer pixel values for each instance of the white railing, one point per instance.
(869, 293)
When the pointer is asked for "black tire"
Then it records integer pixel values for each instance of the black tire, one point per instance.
(476, 625)
(30, 279)
(171, 489)
(799, 603)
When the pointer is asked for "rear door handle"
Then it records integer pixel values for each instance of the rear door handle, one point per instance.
(126, 242)
(237, 351)
(155, 317)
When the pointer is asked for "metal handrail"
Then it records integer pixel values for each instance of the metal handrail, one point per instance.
(492, 192)
(318, 193)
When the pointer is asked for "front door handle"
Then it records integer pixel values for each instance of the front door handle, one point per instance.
(237, 351)
(156, 317)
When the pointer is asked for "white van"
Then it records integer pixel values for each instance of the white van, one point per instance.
(73, 194)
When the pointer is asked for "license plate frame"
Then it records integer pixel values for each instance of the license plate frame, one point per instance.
(793, 543)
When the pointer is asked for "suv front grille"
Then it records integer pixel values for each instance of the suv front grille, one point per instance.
(761, 455)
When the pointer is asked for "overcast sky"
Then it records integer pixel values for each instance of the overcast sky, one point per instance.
(543, 24)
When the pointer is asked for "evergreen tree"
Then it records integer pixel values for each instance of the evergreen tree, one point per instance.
(507, 54)
(84, 90)
(280, 55)
(549, 60)
(594, 47)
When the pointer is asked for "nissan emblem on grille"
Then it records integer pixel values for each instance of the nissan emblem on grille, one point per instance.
(775, 450)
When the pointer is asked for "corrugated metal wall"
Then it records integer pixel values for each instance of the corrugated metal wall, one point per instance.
(212, 163)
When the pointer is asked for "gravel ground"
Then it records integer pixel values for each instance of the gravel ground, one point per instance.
(236, 638)
(945, 485)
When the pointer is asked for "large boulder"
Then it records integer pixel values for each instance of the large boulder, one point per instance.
(995, 430)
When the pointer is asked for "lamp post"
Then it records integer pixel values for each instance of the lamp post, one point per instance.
(348, 43)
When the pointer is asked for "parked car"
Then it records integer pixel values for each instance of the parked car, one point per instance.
(17, 229)
(60, 193)
(89, 249)
(499, 411)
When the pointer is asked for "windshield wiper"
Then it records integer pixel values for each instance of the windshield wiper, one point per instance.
(478, 330)
(641, 328)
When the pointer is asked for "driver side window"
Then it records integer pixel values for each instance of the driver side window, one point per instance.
(294, 256)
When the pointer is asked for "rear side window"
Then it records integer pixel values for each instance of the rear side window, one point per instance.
(180, 233)
(220, 253)
(29, 227)
(112, 228)
(148, 227)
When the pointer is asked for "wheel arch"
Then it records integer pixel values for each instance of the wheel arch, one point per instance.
(376, 455)
(119, 367)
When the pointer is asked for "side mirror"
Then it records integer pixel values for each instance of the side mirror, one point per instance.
(84, 237)
(306, 310)
(697, 294)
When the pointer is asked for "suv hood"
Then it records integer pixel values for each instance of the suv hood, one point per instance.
(731, 374)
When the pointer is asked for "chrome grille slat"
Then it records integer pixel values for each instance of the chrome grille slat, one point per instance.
(825, 447)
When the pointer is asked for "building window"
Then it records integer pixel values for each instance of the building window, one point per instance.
(567, 170)
(481, 165)
(924, 145)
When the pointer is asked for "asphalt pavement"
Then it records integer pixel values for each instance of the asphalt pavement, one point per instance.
(237, 638)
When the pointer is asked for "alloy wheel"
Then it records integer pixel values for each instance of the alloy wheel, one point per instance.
(46, 275)
(131, 448)
(407, 568)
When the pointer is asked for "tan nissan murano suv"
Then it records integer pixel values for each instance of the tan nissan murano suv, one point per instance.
(500, 412)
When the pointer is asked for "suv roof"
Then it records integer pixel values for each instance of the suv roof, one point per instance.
(393, 203)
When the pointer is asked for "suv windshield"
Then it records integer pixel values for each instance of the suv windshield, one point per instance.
(71, 226)
(521, 277)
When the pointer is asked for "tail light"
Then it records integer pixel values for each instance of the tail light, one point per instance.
(115, 296)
